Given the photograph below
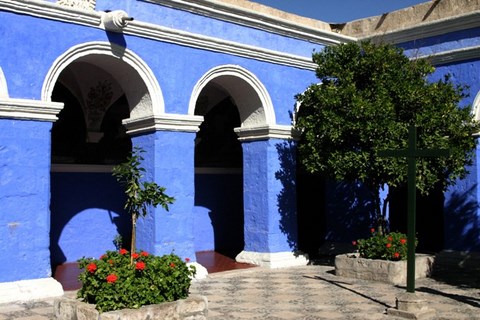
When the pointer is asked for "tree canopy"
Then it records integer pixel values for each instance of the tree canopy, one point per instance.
(367, 96)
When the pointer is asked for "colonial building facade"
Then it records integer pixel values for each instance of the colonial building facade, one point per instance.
(207, 89)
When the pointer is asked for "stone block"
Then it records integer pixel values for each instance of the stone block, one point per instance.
(192, 308)
(394, 272)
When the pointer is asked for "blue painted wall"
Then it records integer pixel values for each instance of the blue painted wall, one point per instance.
(86, 215)
(24, 197)
(218, 213)
(270, 196)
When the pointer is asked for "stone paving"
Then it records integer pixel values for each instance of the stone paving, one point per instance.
(309, 292)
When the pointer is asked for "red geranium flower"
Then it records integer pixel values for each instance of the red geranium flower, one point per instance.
(187, 259)
(123, 251)
(172, 265)
(396, 255)
(103, 256)
(140, 265)
(92, 267)
(354, 242)
(389, 245)
(390, 238)
(111, 262)
(144, 254)
(111, 278)
(372, 230)
(135, 255)
(403, 241)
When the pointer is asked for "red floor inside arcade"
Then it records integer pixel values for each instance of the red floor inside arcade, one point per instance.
(67, 273)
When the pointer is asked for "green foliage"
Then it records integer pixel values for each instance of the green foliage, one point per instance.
(390, 246)
(368, 96)
(112, 282)
(140, 194)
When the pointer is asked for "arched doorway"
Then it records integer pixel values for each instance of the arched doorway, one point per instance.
(100, 85)
(218, 174)
(229, 98)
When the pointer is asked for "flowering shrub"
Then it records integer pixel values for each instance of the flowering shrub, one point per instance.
(390, 246)
(112, 282)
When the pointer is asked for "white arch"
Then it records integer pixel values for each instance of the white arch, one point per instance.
(252, 99)
(476, 107)
(147, 96)
(3, 85)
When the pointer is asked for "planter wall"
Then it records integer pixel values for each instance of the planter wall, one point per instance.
(394, 272)
(192, 308)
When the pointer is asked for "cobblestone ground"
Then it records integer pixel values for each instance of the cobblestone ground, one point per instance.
(314, 292)
(310, 292)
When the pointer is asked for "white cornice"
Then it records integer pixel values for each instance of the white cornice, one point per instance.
(164, 122)
(429, 29)
(29, 109)
(47, 10)
(258, 20)
(266, 132)
(453, 55)
(150, 31)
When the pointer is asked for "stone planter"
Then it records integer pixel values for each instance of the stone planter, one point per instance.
(394, 272)
(192, 308)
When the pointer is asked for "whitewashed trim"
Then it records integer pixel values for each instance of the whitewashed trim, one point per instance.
(24, 109)
(27, 290)
(264, 112)
(266, 132)
(257, 20)
(453, 55)
(198, 41)
(273, 260)
(3, 85)
(44, 9)
(429, 29)
(165, 122)
(144, 107)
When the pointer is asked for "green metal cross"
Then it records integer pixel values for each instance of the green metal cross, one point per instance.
(411, 153)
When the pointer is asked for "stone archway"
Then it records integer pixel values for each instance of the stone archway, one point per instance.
(228, 97)
(101, 85)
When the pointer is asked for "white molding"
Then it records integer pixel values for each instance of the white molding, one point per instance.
(27, 290)
(258, 98)
(3, 85)
(452, 55)
(47, 10)
(164, 122)
(273, 260)
(266, 132)
(24, 109)
(258, 20)
(429, 29)
(153, 105)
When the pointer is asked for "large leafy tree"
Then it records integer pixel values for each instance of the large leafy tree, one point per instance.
(367, 96)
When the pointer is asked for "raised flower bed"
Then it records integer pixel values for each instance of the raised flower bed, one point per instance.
(193, 307)
(394, 272)
(382, 257)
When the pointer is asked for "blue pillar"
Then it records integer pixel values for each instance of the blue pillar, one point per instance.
(270, 203)
(169, 161)
(24, 199)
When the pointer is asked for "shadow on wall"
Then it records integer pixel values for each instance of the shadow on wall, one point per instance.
(322, 211)
(287, 204)
(462, 221)
(349, 211)
(86, 215)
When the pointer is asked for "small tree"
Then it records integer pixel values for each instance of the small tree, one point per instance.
(368, 96)
(140, 195)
